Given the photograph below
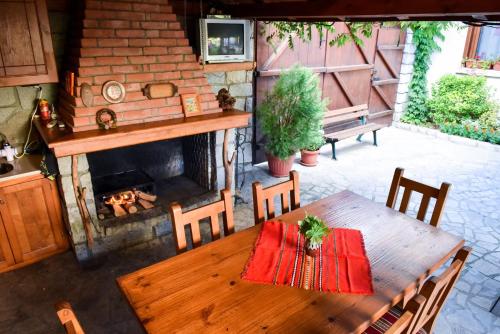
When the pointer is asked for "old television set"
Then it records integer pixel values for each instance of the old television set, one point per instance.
(226, 40)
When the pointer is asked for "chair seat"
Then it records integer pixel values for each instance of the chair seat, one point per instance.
(386, 321)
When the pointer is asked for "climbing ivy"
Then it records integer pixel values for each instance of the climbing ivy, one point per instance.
(425, 38)
(303, 30)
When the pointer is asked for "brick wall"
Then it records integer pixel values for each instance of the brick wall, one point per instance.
(136, 43)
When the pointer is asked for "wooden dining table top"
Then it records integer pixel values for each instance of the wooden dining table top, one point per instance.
(201, 291)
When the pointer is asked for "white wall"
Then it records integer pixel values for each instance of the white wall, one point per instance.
(449, 59)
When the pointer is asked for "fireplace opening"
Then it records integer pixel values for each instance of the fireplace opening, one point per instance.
(139, 182)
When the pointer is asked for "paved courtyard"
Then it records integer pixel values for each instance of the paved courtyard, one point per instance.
(471, 211)
(28, 295)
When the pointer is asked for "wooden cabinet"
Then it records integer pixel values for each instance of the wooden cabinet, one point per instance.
(26, 52)
(6, 257)
(31, 226)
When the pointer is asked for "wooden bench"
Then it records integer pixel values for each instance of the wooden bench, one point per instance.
(333, 117)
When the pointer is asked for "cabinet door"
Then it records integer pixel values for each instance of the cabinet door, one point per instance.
(32, 218)
(6, 257)
(26, 52)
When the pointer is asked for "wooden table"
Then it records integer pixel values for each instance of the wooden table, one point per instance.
(201, 291)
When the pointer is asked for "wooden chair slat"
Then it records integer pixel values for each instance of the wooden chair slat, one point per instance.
(258, 203)
(393, 191)
(428, 192)
(405, 201)
(279, 188)
(271, 212)
(263, 198)
(440, 202)
(419, 187)
(214, 226)
(192, 220)
(422, 210)
(194, 229)
(204, 211)
(285, 205)
(227, 215)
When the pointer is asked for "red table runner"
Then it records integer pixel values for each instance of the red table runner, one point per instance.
(279, 258)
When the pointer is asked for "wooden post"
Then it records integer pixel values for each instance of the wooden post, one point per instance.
(80, 201)
(228, 163)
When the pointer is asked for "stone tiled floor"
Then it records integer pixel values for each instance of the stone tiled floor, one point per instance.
(27, 295)
(472, 209)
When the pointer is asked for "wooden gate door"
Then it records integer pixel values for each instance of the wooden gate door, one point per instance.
(271, 60)
(350, 75)
(385, 79)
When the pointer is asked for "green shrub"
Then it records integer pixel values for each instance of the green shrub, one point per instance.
(472, 130)
(459, 98)
(290, 114)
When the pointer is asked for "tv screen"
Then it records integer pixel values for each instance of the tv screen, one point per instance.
(225, 39)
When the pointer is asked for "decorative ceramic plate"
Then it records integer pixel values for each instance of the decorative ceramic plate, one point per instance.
(113, 91)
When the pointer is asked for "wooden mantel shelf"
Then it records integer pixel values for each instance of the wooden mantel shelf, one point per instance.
(66, 143)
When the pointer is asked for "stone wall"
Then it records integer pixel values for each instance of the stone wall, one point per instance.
(17, 103)
(405, 75)
(240, 86)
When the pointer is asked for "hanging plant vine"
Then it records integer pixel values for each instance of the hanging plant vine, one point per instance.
(303, 30)
(425, 38)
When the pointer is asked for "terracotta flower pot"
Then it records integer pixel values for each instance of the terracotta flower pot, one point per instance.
(278, 167)
(309, 158)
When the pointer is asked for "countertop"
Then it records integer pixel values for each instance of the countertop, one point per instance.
(29, 165)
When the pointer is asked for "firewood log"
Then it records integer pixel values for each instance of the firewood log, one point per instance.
(130, 207)
(119, 211)
(145, 196)
(145, 204)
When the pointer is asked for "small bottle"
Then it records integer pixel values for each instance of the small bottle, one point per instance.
(44, 107)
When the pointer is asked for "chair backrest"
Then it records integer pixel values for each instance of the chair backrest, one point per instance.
(260, 195)
(192, 219)
(345, 114)
(436, 290)
(427, 192)
(422, 310)
(68, 318)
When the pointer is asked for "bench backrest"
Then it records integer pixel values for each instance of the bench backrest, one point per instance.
(345, 114)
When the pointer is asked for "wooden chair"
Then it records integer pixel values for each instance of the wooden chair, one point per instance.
(420, 313)
(68, 318)
(427, 192)
(268, 194)
(192, 219)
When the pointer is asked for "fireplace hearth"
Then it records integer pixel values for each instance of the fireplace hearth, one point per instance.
(164, 171)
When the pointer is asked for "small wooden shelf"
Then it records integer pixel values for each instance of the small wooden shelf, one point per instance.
(226, 67)
(66, 143)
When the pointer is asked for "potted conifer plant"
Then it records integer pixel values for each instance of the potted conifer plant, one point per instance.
(314, 231)
(287, 115)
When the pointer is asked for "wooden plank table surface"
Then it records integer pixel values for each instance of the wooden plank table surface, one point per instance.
(201, 291)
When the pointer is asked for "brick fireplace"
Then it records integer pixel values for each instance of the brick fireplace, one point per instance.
(135, 42)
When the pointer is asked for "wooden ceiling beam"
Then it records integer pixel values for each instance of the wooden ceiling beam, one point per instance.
(362, 10)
